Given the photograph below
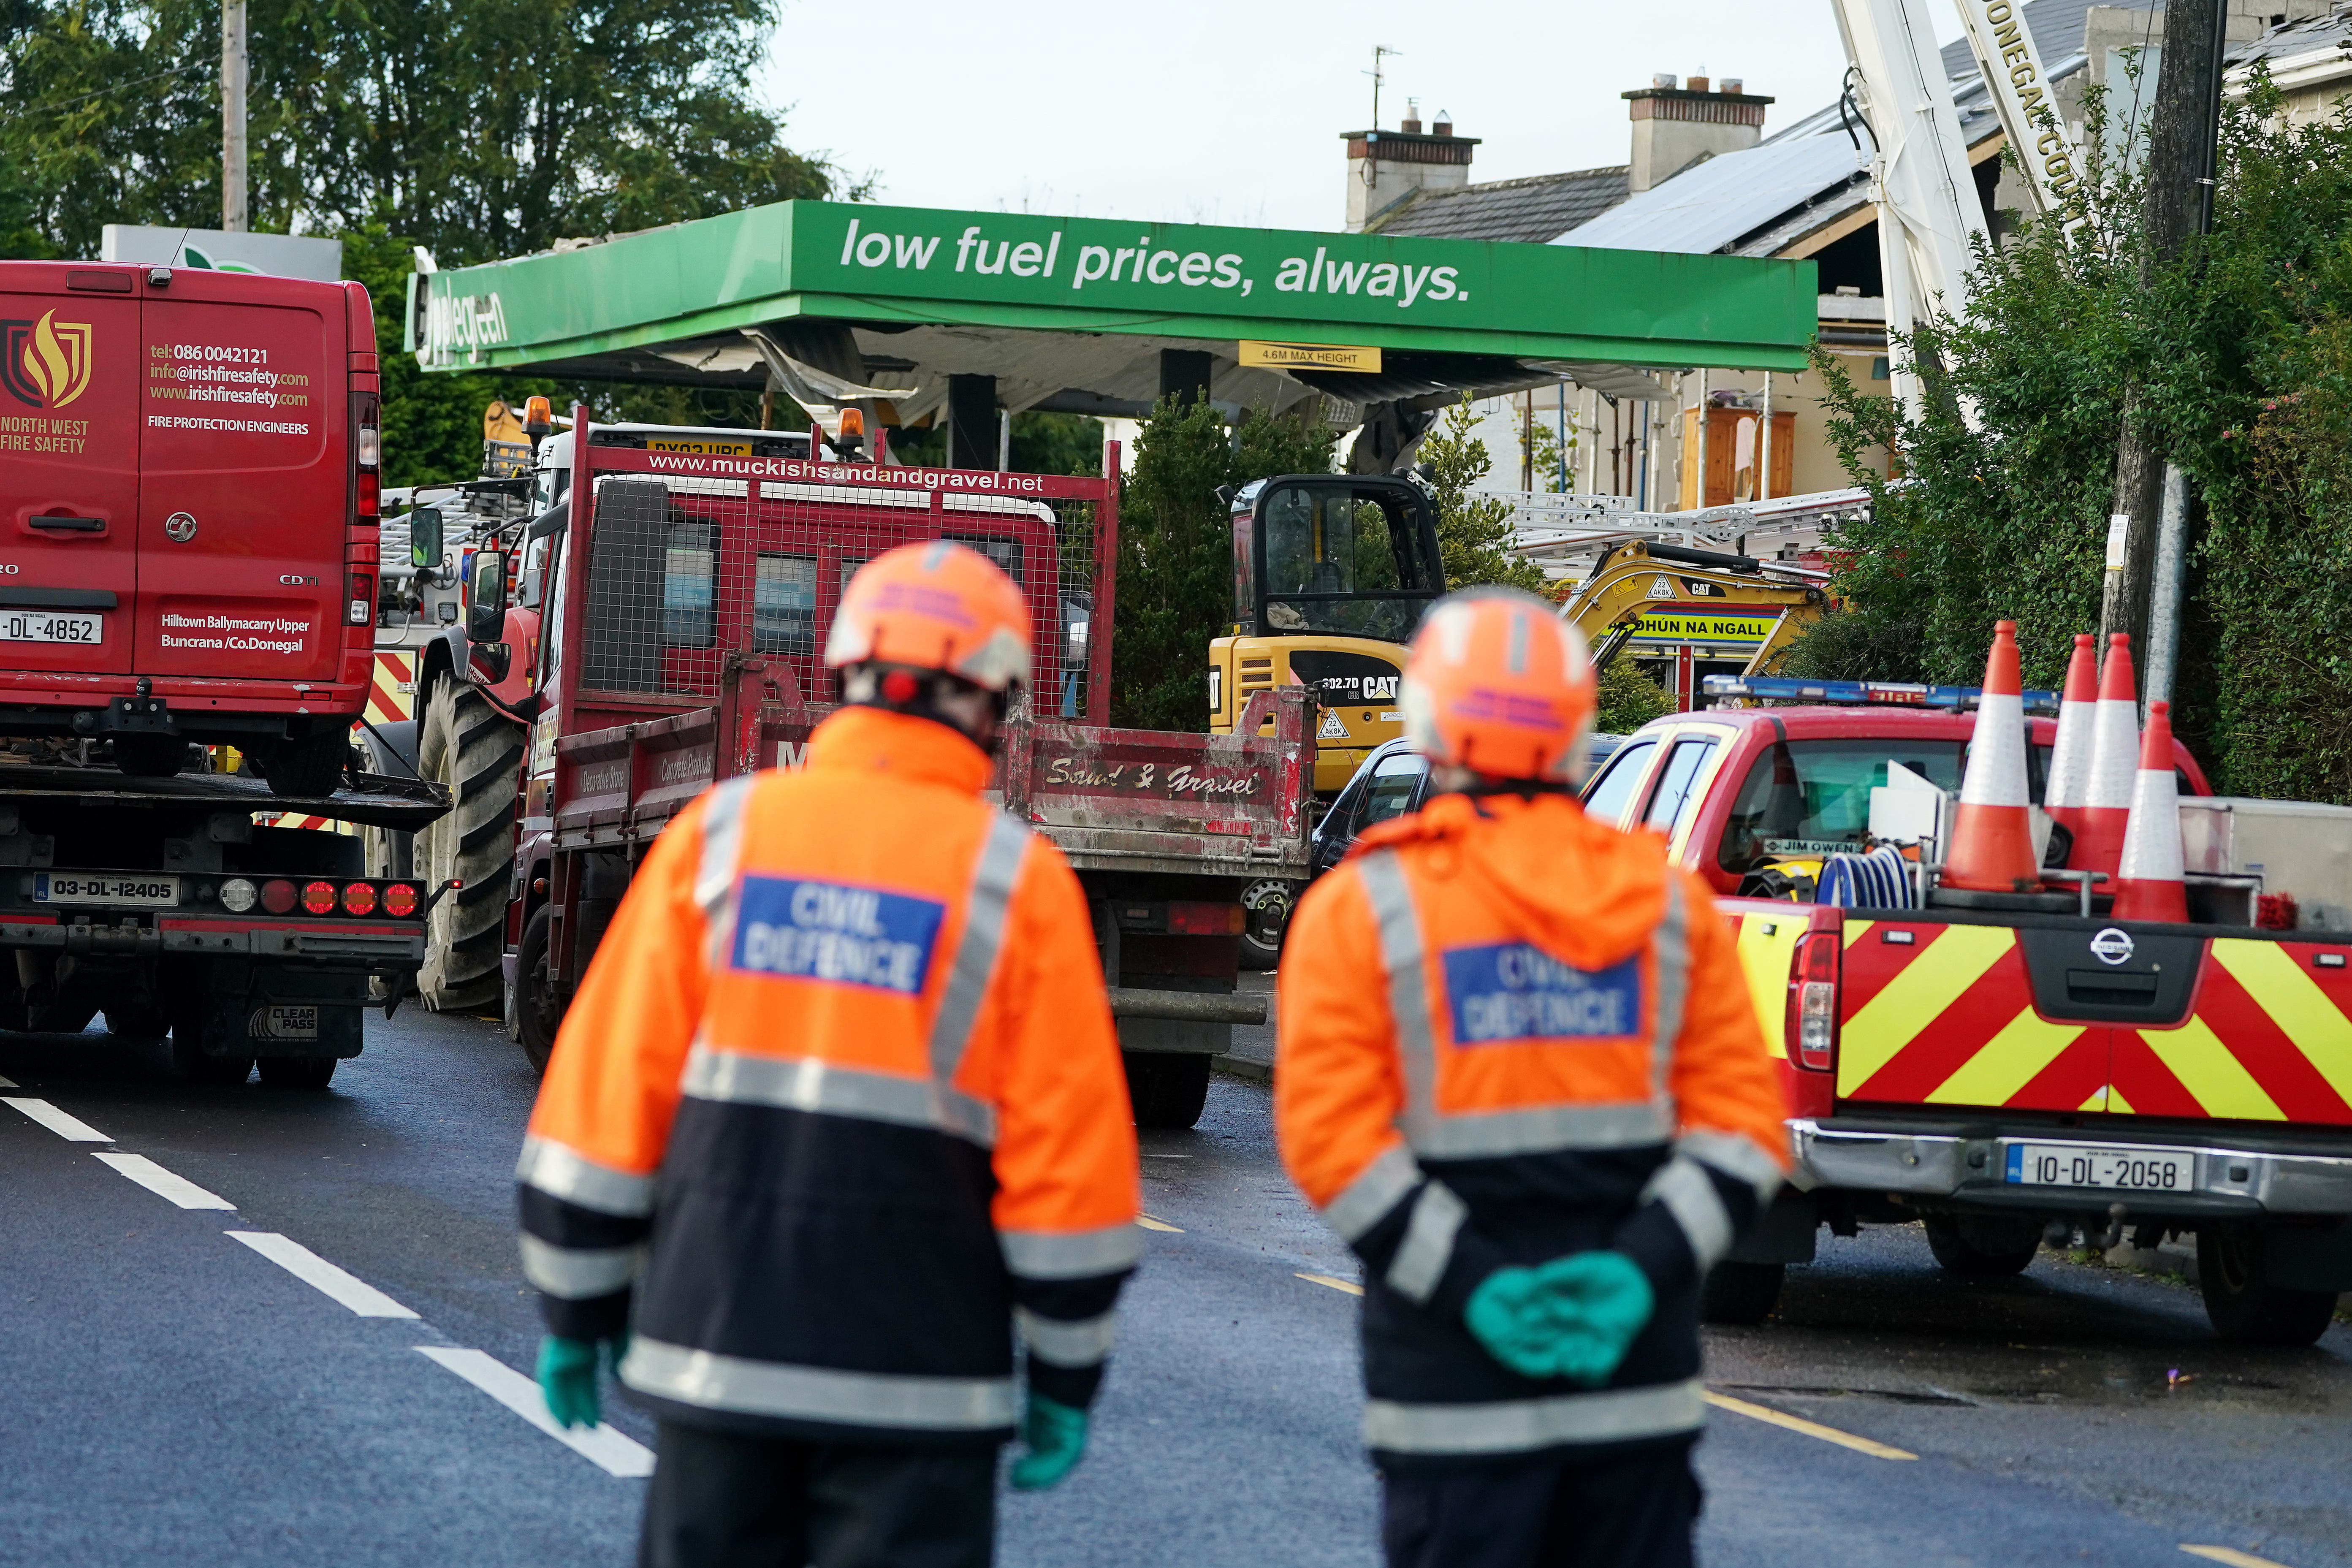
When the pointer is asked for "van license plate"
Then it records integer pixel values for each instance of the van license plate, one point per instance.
(29, 625)
(138, 893)
(2090, 1165)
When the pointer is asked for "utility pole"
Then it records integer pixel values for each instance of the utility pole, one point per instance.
(234, 216)
(2180, 173)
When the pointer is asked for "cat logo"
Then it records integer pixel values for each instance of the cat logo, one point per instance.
(45, 362)
(1660, 588)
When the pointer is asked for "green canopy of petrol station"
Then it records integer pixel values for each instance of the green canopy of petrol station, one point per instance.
(846, 303)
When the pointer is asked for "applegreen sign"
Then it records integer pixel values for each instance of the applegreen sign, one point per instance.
(856, 262)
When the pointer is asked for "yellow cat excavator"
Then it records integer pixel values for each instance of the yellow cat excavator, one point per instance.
(1331, 573)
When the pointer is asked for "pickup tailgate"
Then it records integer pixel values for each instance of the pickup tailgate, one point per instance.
(2056, 1014)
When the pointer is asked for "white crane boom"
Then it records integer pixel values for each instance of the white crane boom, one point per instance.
(1927, 209)
(2003, 46)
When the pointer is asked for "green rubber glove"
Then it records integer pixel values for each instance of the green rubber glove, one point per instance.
(1056, 1435)
(1602, 1300)
(1571, 1318)
(567, 1377)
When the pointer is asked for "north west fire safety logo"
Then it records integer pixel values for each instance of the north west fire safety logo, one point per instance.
(45, 362)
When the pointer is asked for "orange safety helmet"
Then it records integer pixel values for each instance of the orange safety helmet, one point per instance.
(934, 606)
(1495, 681)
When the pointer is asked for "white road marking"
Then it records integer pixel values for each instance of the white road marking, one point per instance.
(57, 1120)
(320, 1275)
(164, 1183)
(1773, 1417)
(8, 1083)
(2230, 1555)
(614, 1452)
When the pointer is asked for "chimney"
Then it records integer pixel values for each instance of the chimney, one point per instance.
(1676, 127)
(1386, 166)
(1411, 124)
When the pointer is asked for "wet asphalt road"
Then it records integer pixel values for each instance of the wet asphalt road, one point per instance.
(176, 1396)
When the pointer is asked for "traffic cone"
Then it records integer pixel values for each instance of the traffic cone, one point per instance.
(1992, 839)
(2150, 888)
(2115, 754)
(2069, 788)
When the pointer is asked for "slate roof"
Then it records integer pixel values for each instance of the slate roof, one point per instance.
(1534, 209)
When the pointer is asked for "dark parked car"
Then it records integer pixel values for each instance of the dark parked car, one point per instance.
(1391, 781)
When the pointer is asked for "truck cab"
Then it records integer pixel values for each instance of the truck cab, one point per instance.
(1331, 574)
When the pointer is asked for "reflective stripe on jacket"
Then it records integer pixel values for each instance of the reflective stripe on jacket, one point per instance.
(1508, 1033)
(843, 1075)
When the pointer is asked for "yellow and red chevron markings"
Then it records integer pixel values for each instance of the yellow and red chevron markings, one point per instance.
(1949, 1019)
(388, 697)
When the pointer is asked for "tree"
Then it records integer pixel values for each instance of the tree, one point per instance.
(2239, 352)
(477, 128)
(1176, 553)
(1629, 699)
(1474, 531)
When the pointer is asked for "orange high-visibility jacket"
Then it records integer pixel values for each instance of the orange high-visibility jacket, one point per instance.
(1508, 1033)
(844, 1072)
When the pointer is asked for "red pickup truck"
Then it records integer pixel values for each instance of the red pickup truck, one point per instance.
(2006, 1076)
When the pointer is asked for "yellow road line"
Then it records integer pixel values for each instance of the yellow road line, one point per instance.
(1771, 1417)
(2230, 1555)
(1148, 1223)
(1349, 1286)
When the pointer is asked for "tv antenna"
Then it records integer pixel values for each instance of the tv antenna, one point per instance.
(1380, 52)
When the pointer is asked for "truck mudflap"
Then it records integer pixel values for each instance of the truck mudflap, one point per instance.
(2118, 1020)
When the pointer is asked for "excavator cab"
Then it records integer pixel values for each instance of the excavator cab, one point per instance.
(1331, 574)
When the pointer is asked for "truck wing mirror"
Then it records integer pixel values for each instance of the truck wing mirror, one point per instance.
(486, 597)
(425, 539)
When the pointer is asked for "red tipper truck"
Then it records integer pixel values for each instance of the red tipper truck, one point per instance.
(687, 594)
(188, 557)
(2002, 1075)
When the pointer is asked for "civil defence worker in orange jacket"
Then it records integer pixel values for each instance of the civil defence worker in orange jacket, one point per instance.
(838, 1108)
(1518, 1072)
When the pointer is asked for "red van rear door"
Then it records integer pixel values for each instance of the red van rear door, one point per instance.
(69, 357)
(246, 484)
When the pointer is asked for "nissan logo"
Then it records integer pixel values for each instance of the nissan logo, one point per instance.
(2112, 946)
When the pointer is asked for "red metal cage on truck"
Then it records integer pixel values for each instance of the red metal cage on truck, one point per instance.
(690, 596)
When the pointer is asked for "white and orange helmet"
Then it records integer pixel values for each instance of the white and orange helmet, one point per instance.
(1495, 681)
(934, 606)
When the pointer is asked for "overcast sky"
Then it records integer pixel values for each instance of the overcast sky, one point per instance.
(1231, 114)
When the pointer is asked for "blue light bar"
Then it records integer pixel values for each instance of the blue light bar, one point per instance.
(1863, 693)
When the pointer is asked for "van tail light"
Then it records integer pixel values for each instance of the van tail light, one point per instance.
(360, 609)
(367, 456)
(1814, 971)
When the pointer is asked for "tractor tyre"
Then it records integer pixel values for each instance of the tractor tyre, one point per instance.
(468, 749)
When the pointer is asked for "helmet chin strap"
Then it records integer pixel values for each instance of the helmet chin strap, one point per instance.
(972, 711)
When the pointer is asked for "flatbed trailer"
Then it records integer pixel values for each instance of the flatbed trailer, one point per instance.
(160, 903)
